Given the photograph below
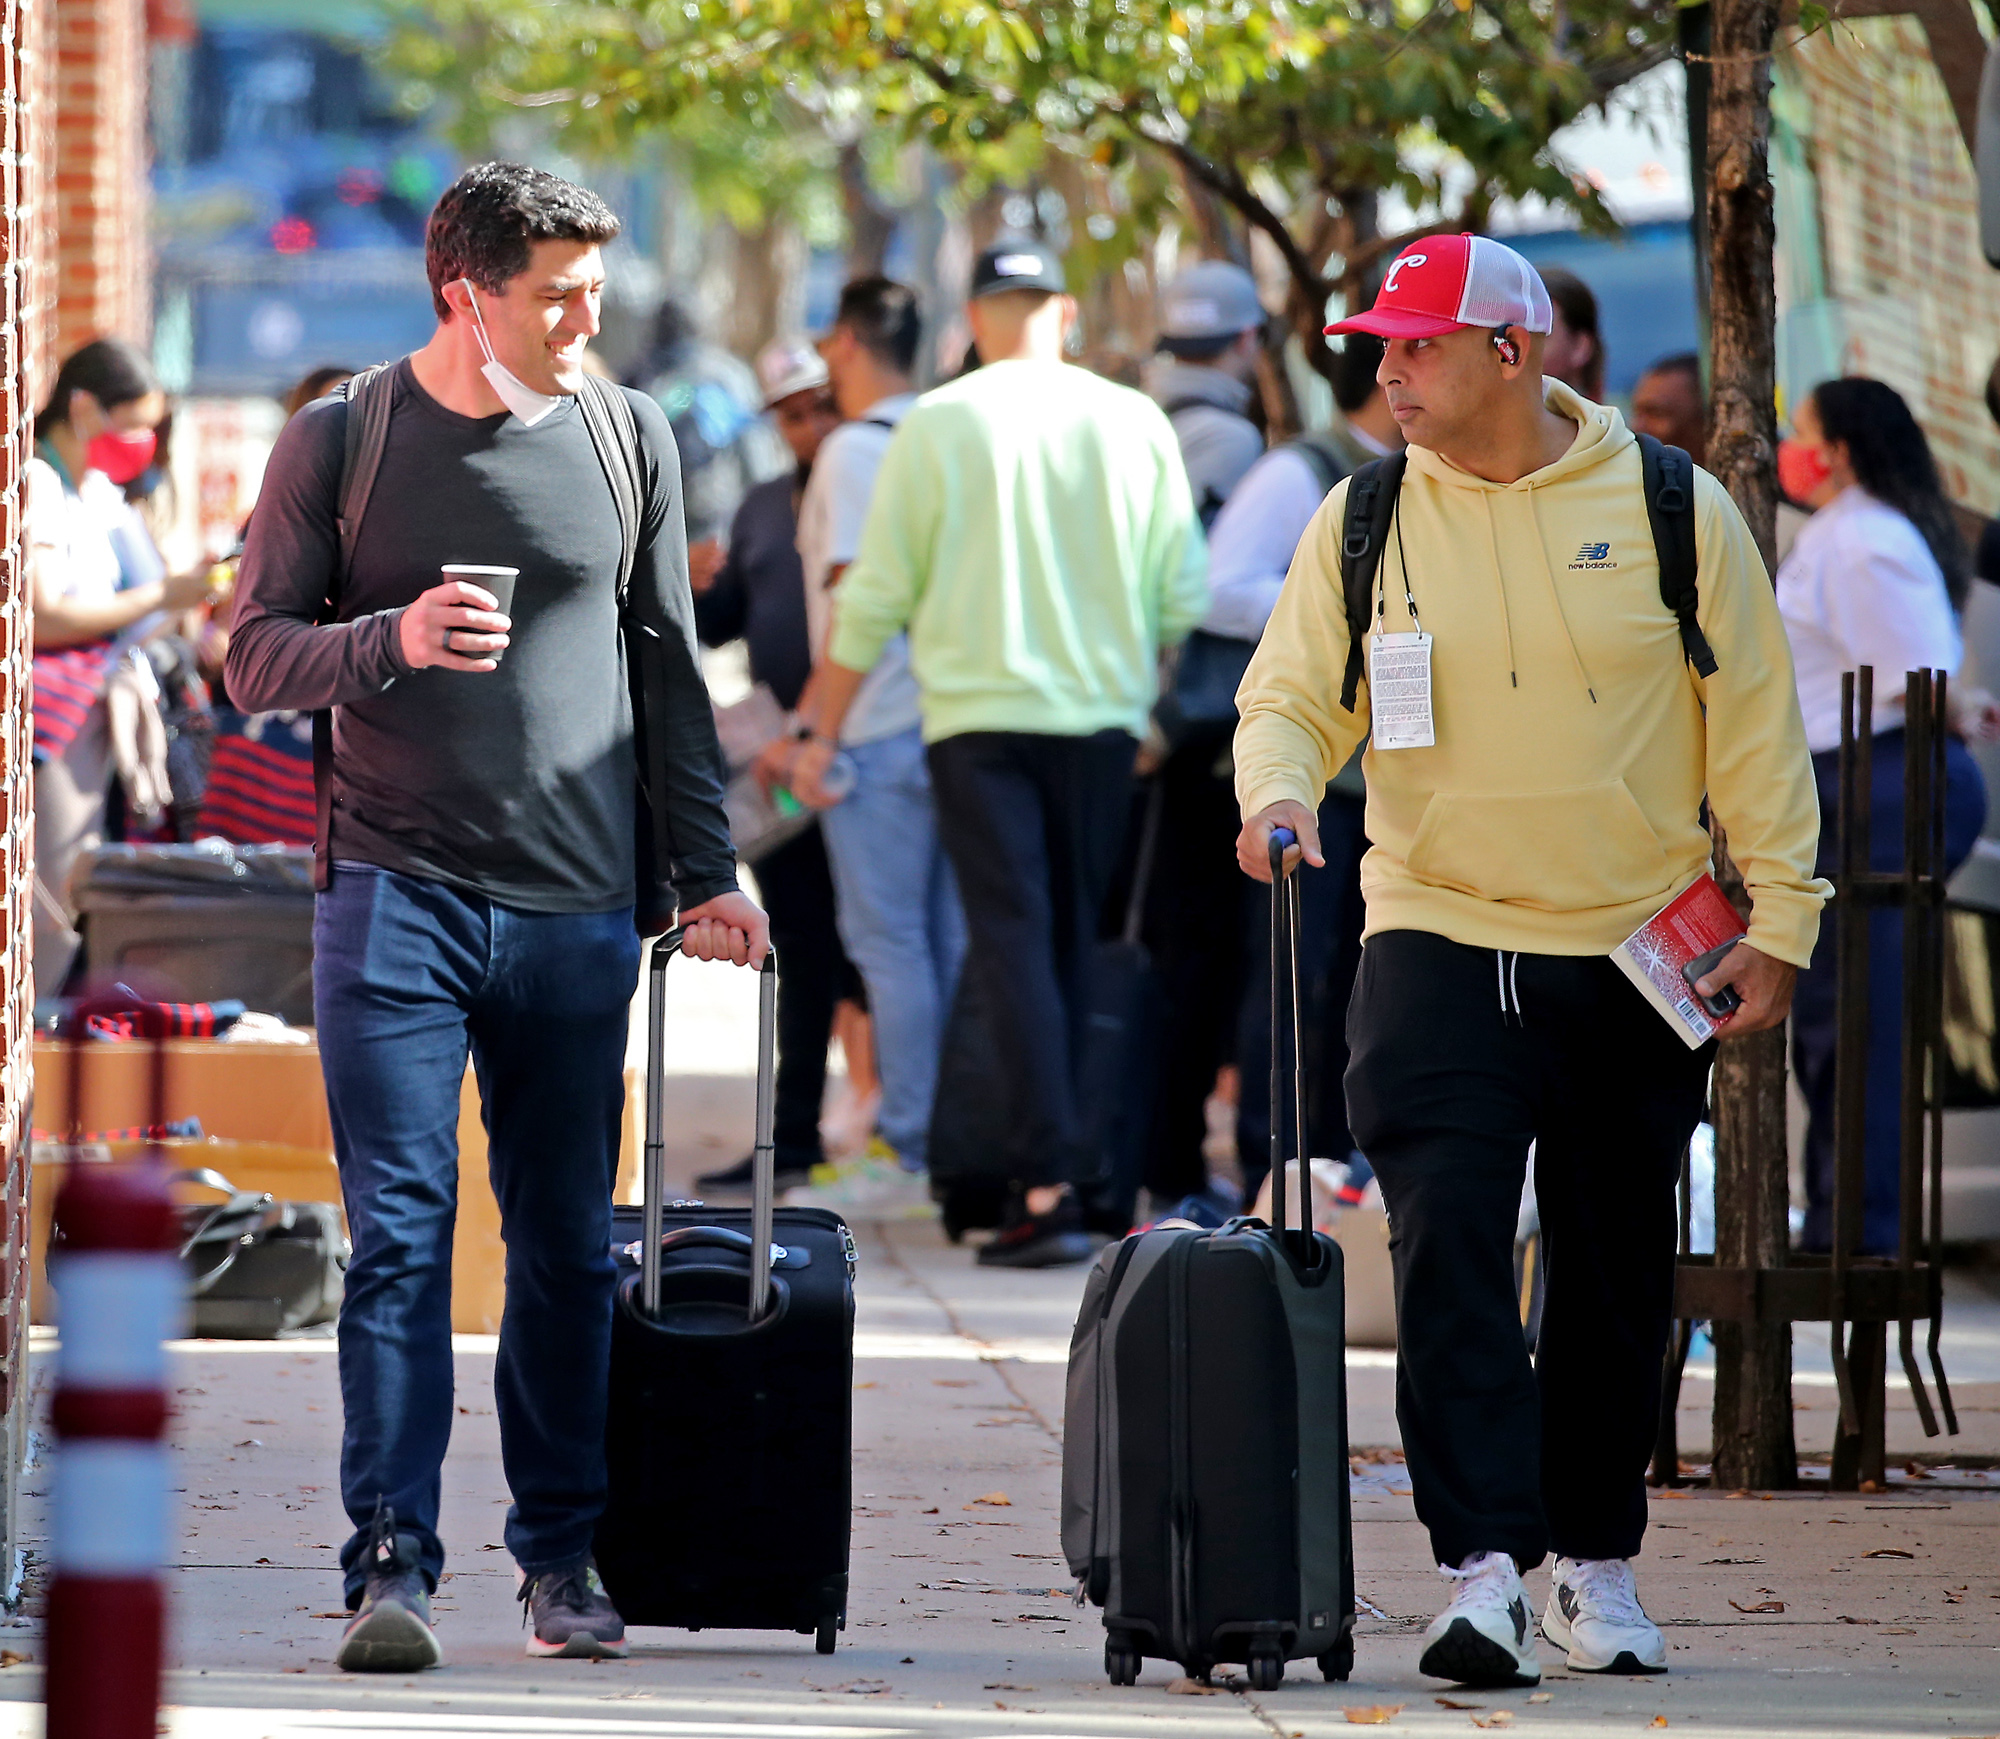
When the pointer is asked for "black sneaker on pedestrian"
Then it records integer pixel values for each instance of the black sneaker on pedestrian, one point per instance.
(1048, 1240)
(390, 1631)
(790, 1170)
(573, 1616)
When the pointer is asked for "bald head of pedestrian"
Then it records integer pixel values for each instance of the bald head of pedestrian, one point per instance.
(1668, 404)
(1464, 321)
(1020, 308)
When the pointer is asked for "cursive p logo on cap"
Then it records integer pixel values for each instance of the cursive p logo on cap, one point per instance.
(1389, 283)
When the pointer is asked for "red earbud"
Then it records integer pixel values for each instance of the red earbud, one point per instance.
(1510, 352)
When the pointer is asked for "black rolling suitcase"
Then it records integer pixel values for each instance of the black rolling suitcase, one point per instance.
(1205, 1500)
(729, 1434)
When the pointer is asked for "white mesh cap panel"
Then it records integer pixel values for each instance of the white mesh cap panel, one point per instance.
(1502, 289)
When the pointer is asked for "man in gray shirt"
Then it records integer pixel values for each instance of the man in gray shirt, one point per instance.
(483, 858)
(1211, 326)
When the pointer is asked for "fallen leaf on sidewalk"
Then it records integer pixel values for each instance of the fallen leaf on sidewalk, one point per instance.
(8, 1658)
(1192, 1688)
(1657, 1721)
(998, 1500)
(341, 1614)
(1373, 1714)
(1449, 1703)
(1543, 1697)
(929, 1512)
(1888, 1552)
(1668, 1491)
(1707, 1561)
(1499, 1718)
(1844, 1619)
(1761, 1606)
(1007, 1687)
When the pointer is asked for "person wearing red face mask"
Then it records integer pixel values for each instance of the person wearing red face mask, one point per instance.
(95, 574)
(1875, 577)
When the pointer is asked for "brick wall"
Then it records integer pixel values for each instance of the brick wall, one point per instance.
(1879, 267)
(103, 259)
(27, 338)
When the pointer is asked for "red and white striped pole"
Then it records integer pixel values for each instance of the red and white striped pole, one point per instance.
(119, 1289)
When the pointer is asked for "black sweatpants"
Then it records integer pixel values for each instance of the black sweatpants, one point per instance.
(1192, 926)
(1033, 826)
(1446, 1086)
(815, 974)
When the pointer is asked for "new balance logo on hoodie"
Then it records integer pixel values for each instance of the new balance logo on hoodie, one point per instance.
(1593, 556)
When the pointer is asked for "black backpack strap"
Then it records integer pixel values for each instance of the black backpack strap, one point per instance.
(371, 397)
(614, 432)
(1668, 479)
(1364, 529)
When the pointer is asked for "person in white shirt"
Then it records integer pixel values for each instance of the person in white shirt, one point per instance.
(894, 890)
(1250, 552)
(96, 580)
(1874, 577)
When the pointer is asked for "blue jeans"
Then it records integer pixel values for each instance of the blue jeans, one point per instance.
(900, 923)
(408, 975)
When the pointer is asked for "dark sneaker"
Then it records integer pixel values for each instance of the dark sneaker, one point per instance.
(390, 1631)
(1048, 1240)
(791, 1170)
(573, 1616)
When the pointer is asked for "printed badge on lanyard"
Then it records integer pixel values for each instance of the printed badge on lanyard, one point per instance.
(1399, 670)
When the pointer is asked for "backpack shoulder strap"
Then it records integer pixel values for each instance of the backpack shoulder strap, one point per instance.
(1668, 479)
(1327, 465)
(371, 396)
(614, 432)
(1364, 529)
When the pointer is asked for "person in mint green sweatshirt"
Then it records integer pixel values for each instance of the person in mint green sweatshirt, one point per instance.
(1033, 532)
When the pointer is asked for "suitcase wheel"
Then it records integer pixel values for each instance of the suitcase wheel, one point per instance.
(1121, 1664)
(1267, 1672)
(1338, 1661)
(823, 1637)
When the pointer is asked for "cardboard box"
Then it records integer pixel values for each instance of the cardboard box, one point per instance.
(265, 1105)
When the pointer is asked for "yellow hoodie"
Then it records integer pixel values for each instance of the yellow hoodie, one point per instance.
(1560, 807)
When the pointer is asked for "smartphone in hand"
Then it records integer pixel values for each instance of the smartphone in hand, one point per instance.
(1725, 1001)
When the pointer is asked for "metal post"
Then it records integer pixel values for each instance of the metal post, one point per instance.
(1921, 728)
(1850, 1071)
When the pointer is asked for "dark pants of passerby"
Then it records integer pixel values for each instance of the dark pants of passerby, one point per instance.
(1190, 925)
(1034, 825)
(798, 893)
(1330, 914)
(408, 975)
(1446, 1088)
(1813, 1024)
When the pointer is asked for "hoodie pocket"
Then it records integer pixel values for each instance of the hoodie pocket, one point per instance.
(1555, 851)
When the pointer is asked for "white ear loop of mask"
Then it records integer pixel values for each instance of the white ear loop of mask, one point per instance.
(512, 391)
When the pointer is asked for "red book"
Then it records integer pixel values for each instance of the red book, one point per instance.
(1698, 919)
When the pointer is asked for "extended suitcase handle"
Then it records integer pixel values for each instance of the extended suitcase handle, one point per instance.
(763, 1163)
(1285, 968)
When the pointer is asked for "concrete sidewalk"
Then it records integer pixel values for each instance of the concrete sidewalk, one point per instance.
(960, 1622)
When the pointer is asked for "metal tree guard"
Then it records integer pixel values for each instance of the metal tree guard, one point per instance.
(1858, 1296)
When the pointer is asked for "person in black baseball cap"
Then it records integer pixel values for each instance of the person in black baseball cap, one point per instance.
(1032, 531)
(1017, 264)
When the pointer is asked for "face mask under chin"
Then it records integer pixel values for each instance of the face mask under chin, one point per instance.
(527, 405)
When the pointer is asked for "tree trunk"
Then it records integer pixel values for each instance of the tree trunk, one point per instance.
(1752, 1424)
(869, 223)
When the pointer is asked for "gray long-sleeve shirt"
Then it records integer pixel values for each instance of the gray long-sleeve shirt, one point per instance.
(520, 783)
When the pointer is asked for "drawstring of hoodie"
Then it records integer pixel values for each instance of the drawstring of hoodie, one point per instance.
(1555, 596)
(1506, 970)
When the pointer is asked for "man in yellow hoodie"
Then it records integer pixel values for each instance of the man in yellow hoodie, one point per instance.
(1555, 807)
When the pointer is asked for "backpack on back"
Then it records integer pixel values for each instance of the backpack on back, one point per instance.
(1667, 477)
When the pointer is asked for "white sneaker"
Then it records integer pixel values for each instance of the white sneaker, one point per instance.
(876, 1186)
(1594, 1612)
(1483, 1637)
